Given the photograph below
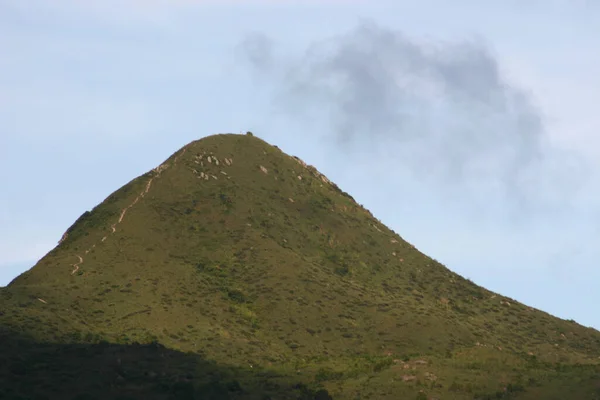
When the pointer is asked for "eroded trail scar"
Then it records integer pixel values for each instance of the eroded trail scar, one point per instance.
(113, 228)
(76, 266)
(147, 187)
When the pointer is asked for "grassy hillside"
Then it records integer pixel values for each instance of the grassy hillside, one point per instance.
(255, 274)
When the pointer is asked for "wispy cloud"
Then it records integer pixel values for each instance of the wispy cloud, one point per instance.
(443, 111)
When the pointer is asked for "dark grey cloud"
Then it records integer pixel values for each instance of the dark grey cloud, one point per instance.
(445, 111)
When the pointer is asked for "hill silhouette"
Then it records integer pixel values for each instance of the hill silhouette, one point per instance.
(234, 270)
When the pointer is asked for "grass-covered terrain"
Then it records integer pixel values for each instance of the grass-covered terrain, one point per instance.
(236, 271)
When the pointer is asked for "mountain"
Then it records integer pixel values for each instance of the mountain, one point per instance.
(236, 271)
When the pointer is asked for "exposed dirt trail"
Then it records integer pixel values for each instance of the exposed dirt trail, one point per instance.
(158, 170)
(76, 266)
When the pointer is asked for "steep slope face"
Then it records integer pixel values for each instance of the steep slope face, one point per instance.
(236, 251)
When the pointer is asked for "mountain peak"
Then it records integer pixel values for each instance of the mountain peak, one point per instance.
(235, 251)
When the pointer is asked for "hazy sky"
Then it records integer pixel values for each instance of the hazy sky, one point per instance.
(471, 128)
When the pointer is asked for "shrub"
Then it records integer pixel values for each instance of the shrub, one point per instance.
(326, 374)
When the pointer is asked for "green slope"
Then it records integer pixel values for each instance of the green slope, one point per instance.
(235, 255)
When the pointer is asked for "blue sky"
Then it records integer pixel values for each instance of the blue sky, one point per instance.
(470, 128)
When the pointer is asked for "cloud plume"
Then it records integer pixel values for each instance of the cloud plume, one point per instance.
(443, 111)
